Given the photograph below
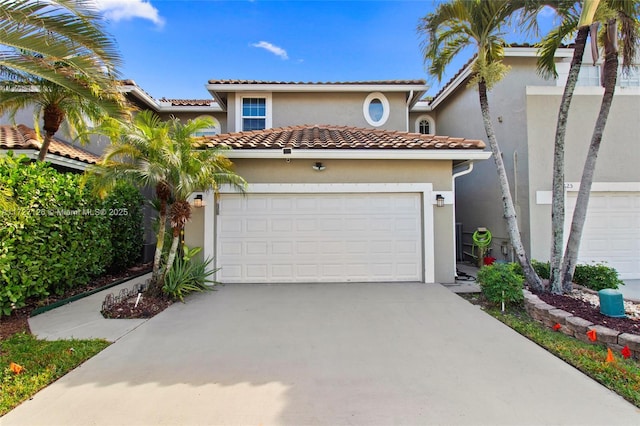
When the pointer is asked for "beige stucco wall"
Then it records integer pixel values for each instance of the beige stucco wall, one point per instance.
(194, 230)
(357, 171)
(618, 157)
(184, 116)
(344, 109)
(478, 196)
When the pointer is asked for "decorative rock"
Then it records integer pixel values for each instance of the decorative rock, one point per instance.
(631, 340)
(541, 311)
(605, 335)
(579, 327)
(532, 298)
(559, 316)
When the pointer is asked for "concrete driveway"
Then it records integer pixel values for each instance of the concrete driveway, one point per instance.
(324, 354)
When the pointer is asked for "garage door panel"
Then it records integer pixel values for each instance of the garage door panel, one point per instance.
(612, 231)
(319, 238)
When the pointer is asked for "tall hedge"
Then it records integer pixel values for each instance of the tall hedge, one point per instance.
(57, 237)
(124, 207)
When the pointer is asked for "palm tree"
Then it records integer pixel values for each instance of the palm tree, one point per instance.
(448, 30)
(41, 38)
(192, 168)
(626, 12)
(579, 18)
(58, 105)
(136, 155)
(57, 58)
(167, 157)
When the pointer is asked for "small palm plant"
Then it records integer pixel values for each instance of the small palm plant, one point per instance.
(193, 167)
(166, 156)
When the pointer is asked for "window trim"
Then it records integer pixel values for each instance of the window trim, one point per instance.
(385, 109)
(432, 124)
(268, 122)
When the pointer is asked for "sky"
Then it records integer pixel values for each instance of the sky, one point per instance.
(172, 48)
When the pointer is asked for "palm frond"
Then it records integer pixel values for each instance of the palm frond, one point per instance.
(551, 43)
(458, 24)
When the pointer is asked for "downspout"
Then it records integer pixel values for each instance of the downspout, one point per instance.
(453, 190)
(409, 103)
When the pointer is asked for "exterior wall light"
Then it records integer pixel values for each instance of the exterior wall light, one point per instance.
(197, 201)
(318, 167)
(439, 200)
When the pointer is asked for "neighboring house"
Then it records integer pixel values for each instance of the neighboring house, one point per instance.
(64, 156)
(525, 107)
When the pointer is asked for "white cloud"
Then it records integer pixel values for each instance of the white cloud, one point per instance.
(117, 10)
(278, 51)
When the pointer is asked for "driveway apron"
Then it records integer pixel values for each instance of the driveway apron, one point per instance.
(324, 354)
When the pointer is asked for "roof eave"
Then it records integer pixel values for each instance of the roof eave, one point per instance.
(362, 154)
(141, 95)
(530, 52)
(158, 107)
(305, 87)
(51, 158)
(190, 108)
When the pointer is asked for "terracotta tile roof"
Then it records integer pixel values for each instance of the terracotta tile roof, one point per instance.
(373, 82)
(188, 102)
(337, 137)
(22, 137)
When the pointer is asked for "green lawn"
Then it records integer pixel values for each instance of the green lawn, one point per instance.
(621, 376)
(43, 361)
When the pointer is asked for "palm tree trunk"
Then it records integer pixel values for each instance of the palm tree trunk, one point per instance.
(610, 73)
(44, 149)
(52, 117)
(509, 210)
(557, 201)
(172, 251)
(157, 258)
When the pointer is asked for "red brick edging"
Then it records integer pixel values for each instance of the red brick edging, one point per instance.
(578, 327)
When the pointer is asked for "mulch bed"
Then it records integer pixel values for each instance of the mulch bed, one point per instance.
(590, 313)
(18, 320)
(147, 307)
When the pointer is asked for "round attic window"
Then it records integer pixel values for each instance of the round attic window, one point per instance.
(376, 109)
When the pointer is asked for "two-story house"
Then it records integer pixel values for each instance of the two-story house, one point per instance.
(339, 190)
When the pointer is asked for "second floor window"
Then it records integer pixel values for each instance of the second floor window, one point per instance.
(254, 114)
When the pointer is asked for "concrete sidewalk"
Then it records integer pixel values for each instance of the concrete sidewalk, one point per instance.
(82, 319)
(324, 354)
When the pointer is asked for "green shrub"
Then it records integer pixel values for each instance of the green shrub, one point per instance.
(541, 268)
(501, 283)
(597, 276)
(188, 275)
(124, 208)
(57, 239)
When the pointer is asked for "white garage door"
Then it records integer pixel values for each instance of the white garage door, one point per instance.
(612, 231)
(359, 237)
